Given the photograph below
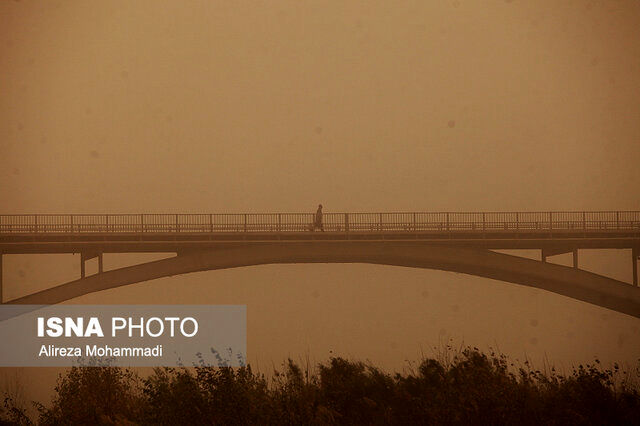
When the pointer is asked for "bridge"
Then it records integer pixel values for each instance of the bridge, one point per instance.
(451, 241)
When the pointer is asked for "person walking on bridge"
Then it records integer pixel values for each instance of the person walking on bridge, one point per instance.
(318, 219)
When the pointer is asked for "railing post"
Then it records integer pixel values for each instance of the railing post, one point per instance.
(141, 222)
(584, 221)
(483, 222)
(35, 219)
(71, 220)
(447, 221)
(245, 222)
(279, 221)
(346, 223)
(106, 222)
(177, 224)
(211, 222)
(550, 222)
(617, 220)
(517, 221)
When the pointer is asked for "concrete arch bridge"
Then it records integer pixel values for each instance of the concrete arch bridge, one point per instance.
(450, 241)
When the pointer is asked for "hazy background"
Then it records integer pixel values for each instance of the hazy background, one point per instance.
(198, 107)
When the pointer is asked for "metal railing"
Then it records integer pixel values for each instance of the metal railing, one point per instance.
(333, 222)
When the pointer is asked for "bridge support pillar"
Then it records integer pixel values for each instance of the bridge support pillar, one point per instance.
(634, 264)
(0, 278)
(554, 251)
(84, 256)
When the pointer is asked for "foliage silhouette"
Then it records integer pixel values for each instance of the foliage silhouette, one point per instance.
(468, 388)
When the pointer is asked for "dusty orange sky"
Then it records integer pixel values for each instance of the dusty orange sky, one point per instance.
(118, 107)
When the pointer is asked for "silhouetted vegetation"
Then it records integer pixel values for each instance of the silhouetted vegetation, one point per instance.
(469, 388)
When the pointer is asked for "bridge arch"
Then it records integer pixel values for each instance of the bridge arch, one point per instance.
(571, 282)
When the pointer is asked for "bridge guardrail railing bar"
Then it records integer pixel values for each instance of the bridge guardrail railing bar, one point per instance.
(335, 222)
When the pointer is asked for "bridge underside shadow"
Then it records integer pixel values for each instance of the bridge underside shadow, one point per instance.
(572, 282)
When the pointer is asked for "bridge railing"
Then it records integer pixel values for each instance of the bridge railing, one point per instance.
(335, 222)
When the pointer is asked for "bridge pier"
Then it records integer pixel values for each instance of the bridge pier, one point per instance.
(88, 256)
(635, 253)
(553, 251)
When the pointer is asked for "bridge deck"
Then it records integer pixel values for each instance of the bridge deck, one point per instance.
(173, 232)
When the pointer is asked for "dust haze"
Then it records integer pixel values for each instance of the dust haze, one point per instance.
(199, 107)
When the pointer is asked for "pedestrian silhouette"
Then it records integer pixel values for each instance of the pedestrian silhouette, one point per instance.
(318, 219)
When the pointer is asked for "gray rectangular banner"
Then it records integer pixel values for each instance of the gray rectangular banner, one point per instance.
(123, 335)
